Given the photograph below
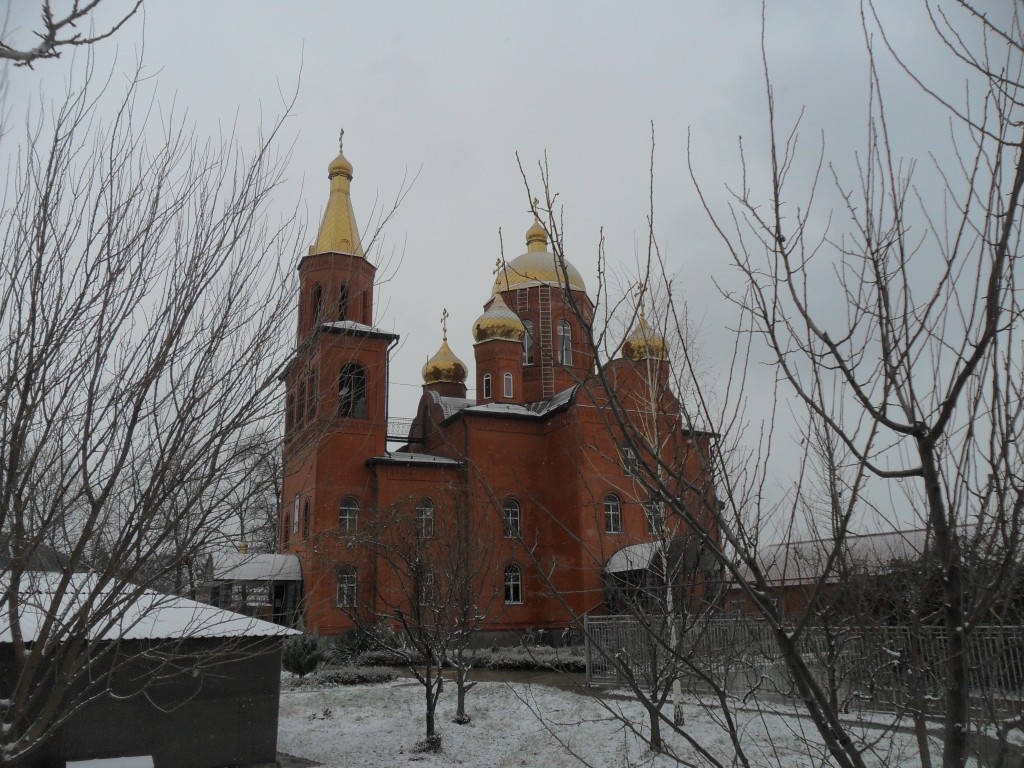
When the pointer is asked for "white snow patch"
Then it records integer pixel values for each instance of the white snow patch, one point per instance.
(379, 725)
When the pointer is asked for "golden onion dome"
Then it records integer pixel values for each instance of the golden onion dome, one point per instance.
(339, 166)
(445, 367)
(536, 237)
(498, 322)
(537, 266)
(644, 343)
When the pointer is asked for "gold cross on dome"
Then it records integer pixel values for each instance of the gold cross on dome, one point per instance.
(497, 266)
(341, 139)
(444, 324)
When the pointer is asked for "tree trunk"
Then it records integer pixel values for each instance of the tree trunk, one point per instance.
(656, 743)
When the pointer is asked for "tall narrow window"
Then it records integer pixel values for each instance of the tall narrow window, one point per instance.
(305, 520)
(289, 413)
(285, 527)
(612, 514)
(295, 513)
(655, 517)
(311, 394)
(511, 514)
(564, 342)
(425, 519)
(508, 384)
(487, 386)
(352, 391)
(513, 584)
(629, 463)
(348, 587)
(318, 304)
(348, 515)
(426, 585)
(343, 302)
(300, 405)
(528, 342)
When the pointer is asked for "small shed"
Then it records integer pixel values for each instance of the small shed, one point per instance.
(189, 686)
(264, 585)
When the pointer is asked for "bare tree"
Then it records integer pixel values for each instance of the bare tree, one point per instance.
(916, 380)
(57, 32)
(431, 563)
(141, 301)
(919, 381)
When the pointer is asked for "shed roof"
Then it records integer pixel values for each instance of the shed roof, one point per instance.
(133, 613)
(803, 562)
(236, 566)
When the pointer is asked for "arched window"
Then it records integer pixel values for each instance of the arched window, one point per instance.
(289, 413)
(425, 519)
(507, 378)
(343, 302)
(305, 519)
(348, 587)
(511, 514)
(300, 405)
(612, 514)
(564, 342)
(487, 386)
(513, 584)
(295, 513)
(285, 523)
(352, 391)
(348, 515)
(318, 304)
(528, 342)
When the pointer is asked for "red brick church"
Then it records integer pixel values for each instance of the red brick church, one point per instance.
(536, 457)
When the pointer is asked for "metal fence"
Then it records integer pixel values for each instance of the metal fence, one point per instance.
(877, 667)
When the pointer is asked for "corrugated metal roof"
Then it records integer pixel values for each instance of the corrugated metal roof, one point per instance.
(802, 562)
(450, 405)
(135, 614)
(236, 566)
(453, 405)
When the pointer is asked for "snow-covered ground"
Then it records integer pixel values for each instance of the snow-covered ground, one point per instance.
(380, 725)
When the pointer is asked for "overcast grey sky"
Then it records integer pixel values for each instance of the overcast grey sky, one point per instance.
(453, 90)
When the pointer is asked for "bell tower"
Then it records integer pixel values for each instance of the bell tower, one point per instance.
(336, 389)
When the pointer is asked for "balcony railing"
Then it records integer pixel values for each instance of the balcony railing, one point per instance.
(399, 429)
